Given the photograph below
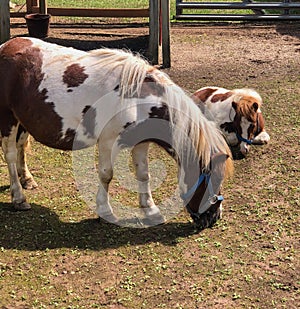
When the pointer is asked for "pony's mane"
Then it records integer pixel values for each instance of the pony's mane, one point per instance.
(185, 117)
(192, 124)
(245, 98)
(248, 92)
(133, 68)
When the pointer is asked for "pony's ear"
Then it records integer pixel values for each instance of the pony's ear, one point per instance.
(255, 106)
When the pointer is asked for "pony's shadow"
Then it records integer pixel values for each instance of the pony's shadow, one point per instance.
(4, 188)
(41, 228)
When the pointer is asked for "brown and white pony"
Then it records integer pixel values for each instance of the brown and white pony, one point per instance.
(236, 112)
(70, 99)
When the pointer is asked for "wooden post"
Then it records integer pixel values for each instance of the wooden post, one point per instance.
(153, 30)
(43, 6)
(165, 14)
(29, 6)
(178, 10)
(4, 21)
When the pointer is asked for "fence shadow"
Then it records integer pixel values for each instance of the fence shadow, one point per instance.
(290, 29)
(137, 44)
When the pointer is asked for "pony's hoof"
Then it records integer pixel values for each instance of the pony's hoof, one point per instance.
(155, 219)
(153, 216)
(110, 218)
(21, 206)
(28, 184)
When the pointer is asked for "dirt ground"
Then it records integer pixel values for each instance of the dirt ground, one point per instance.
(252, 258)
(202, 54)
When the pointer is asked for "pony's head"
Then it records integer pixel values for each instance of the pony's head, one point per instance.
(248, 120)
(205, 203)
(205, 160)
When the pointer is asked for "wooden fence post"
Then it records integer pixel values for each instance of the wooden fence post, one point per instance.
(29, 5)
(153, 30)
(4, 21)
(165, 24)
(43, 6)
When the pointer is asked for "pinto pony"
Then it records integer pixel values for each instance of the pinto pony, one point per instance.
(236, 112)
(70, 99)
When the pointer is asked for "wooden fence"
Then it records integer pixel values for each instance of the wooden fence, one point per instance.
(284, 10)
(158, 14)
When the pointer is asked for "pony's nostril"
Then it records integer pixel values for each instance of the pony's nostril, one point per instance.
(244, 150)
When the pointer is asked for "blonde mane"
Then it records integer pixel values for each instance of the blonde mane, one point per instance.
(249, 93)
(133, 69)
(186, 119)
(245, 98)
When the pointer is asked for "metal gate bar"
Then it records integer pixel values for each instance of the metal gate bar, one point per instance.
(258, 7)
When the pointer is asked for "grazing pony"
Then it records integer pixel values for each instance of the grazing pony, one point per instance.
(70, 99)
(236, 112)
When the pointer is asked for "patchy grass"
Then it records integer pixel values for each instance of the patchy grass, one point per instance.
(59, 255)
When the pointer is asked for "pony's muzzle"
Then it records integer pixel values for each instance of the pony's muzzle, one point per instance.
(244, 149)
(208, 218)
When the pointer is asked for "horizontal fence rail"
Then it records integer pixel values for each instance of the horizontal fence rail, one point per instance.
(259, 8)
(158, 13)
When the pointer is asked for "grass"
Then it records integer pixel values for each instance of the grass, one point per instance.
(59, 255)
(127, 4)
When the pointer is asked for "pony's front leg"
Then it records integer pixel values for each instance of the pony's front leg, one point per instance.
(140, 161)
(26, 178)
(10, 154)
(103, 207)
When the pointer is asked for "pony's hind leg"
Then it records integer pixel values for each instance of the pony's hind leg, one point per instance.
(140, 161)
(26, 178)
(11, 156)
(103, 207)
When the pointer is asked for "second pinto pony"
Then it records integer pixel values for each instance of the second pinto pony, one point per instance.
(236, 112)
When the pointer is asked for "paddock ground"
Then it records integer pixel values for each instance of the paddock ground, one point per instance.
(59, 255)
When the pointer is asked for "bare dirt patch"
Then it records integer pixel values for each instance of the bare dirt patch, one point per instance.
(59, 255)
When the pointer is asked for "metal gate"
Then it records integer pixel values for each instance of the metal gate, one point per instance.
(238, 11)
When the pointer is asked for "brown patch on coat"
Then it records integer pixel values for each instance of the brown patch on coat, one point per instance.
(221, 97)
(74, 75)
(203, 95)
(261, 123)
(20, 97)
(14, 47)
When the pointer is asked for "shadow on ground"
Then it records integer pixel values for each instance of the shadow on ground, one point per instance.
(41, 228)
(135, 44)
